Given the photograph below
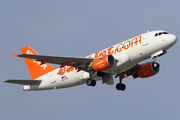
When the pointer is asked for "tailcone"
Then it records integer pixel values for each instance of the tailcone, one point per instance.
(30, 88)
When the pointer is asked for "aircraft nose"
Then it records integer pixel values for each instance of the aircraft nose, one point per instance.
(172, 39)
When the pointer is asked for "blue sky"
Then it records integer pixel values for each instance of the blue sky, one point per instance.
(79, 28)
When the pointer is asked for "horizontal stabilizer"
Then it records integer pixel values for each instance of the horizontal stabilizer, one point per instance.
(24, 82)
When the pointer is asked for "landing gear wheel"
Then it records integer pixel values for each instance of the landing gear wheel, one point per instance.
(90, 82)
(93, 83)
(121, 86)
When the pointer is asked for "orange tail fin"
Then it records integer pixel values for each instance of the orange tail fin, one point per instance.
(35, 68)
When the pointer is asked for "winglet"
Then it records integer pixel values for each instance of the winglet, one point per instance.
(15, 56)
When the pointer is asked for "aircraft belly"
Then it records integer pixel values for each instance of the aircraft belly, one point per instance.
(70, 80)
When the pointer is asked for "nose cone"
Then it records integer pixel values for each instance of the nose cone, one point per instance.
(172, 39)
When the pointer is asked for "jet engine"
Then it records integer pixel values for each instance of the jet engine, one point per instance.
(147, 70)
(103, 63)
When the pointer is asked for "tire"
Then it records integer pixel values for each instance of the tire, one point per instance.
(93, 83)
(121, 86)
(90, 82)
(118, 86)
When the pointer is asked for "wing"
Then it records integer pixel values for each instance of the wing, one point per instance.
(24, 82)
(132, 70)
(71, 61)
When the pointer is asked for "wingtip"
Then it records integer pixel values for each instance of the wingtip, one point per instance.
(6, 81)
(15, 56)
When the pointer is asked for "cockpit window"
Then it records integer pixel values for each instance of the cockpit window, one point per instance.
(164, 32)
(158, 34)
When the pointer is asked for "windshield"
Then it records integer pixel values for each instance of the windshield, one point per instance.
(160, 33)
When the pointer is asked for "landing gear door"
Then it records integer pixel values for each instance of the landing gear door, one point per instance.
(111, 80)
(145, 39)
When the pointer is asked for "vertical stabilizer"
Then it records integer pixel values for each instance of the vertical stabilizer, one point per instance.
(35, 69)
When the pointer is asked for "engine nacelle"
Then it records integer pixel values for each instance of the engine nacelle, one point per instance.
(148, 70)
(103, 63)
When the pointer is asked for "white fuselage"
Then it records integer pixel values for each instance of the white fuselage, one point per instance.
(127, 54)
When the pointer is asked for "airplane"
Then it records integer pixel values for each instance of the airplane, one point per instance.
(121, 60)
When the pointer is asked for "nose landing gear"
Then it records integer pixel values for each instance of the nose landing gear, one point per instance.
(155, 63)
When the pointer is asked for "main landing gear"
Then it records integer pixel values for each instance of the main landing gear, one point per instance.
(90, 81)
(120, 85)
